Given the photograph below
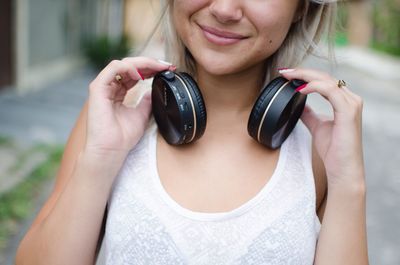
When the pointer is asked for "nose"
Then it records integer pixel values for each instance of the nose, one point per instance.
(226, 11)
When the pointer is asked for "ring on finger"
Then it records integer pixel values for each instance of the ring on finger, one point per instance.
(118, 77)
(341, 83)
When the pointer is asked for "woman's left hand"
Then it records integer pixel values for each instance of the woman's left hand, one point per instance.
(338, 141)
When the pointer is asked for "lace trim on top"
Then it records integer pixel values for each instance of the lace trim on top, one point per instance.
(215, 216)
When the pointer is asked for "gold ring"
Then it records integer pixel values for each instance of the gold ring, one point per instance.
(118, 77)
(341, 83)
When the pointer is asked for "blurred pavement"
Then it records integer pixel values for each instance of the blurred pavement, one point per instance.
(49, 114)
(381, 138)
(46, 115)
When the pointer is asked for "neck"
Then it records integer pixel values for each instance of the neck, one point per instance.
(229, 100)
(231, 94)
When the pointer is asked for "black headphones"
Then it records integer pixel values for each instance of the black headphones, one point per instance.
(180, 112)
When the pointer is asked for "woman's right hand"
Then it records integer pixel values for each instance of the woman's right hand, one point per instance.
(112, 127)
(75, 209)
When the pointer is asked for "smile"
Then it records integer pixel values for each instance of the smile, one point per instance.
(219, 37)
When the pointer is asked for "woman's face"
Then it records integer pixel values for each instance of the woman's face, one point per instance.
(229, 36)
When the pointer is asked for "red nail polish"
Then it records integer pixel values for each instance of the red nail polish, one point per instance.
(301, 87)
(141, 76)
(284, 68)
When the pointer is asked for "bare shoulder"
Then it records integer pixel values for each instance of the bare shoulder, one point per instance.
(320, 182)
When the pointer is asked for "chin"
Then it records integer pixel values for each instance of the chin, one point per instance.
(226, 68)
(220, 70)
(220, 66)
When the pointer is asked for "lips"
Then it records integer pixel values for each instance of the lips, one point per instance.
(221, 37)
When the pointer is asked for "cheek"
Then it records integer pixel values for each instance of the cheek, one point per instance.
(272, 32)
(275, 32)
(272, 21)
(187, 7)
(183, 11)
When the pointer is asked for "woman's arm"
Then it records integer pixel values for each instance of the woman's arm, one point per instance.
(67, 228)
(343, 237)
(46, 239)
(342, 215)
(320, 183)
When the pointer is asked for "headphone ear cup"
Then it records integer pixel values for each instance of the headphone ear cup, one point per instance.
(198, 102)
(261, 104)
(276, 112)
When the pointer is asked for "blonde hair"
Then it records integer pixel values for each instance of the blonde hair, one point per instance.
(318, 18)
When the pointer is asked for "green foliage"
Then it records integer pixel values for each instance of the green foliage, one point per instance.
(101, 50)
(341, 24)
(5, 141)
(341, 39)
(18, 203)
(386, 19)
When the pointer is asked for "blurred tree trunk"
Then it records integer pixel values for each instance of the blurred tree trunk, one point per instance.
(359, 22)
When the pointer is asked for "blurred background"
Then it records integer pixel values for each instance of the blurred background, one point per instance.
(51, 50)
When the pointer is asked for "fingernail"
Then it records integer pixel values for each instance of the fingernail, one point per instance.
(141, 76)
(287, 70)
(301, 87)
(283, 68)
(164, 62)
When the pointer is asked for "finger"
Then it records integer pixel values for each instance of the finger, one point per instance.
(129, 84)
(134, 68)
(351, 94)
(113, 91)
(356, 102)
(120, 94)
(305, 74)
(309, 75)
(116, 67)
(329, 91)
(148, 67)
(310, 118)
(144, 105)
(351, 97)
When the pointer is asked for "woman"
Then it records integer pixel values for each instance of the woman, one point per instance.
(223, 199)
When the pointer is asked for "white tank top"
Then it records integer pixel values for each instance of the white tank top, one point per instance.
(277, 226)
